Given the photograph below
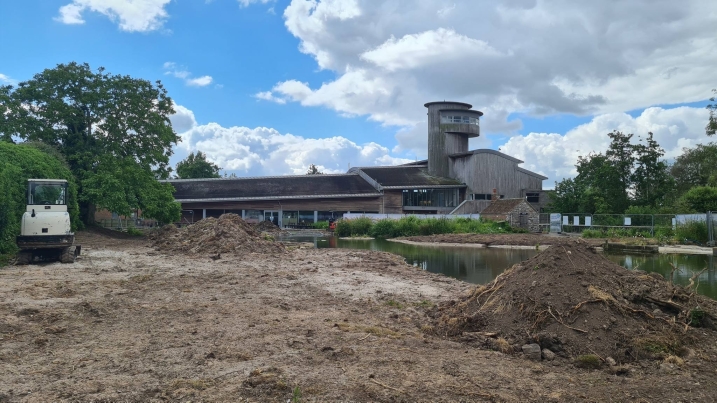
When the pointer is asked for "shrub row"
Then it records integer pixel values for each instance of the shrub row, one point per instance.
(693, 231)
(411, 226)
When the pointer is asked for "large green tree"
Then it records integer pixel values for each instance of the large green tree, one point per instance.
(651, 180)
(196, 166)
(627, 174)
(113, 130)
(695, 167)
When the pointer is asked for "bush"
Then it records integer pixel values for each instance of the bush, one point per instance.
(692, 231)
(361, 226)
(408, 226)
(343, 228)
(321, 225)
(385, 228)
(18, 163)
(701, 198)
(593, 233)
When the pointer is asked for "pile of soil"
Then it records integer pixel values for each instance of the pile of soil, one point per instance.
(267, 226)
(226, 234)
(576, 303)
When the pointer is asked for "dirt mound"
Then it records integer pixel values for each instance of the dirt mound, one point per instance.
(576, 303)
(226, 234)
(267, 226)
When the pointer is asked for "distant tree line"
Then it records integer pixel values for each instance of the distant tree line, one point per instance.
(633, 177)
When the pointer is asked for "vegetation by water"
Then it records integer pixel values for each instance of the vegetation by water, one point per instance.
(411, 226)
(690, 232)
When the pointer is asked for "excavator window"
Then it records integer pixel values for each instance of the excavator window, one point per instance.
(47, 193)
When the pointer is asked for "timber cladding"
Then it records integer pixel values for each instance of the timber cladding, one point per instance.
(392, 202)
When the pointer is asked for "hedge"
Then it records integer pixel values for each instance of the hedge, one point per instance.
(18, 163)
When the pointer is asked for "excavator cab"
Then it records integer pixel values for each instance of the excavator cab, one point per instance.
(45, 230)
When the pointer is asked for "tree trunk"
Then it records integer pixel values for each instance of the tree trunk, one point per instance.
(87, 212)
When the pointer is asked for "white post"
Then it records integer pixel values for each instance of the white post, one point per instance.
(204, 213)
(243, 214)
(316, 216)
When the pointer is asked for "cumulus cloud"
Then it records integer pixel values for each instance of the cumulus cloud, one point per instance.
(247, 3)
(268, 96)
(181, 72)
(132, 15)
(264, 151)
(4, 79)
(555, 154)
(534, 57)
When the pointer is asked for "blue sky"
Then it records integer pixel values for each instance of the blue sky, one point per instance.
(282, 84)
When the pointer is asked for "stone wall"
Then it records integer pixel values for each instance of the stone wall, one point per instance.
(533, 224)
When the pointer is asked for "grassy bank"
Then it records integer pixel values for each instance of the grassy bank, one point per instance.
(412, 226)
(691, 232)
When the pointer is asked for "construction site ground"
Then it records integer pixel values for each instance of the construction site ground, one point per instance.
(129, 323)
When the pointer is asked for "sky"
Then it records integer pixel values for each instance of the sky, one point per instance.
(268, 87)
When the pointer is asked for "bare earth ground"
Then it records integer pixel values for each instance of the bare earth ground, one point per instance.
(126, 323)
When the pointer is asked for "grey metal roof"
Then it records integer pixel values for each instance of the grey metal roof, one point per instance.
(272, 187)
(407, 176)
(531, 173)
(486, 151)
(447, 102)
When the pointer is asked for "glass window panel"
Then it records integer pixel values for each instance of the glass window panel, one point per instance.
(306, 217)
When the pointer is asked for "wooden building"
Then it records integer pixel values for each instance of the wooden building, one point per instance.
(453, 179)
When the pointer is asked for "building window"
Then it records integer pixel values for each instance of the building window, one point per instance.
(430, 198)
(485, 196)
(449, 119)
(533, 197)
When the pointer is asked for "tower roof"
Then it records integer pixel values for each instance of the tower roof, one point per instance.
(468, 106)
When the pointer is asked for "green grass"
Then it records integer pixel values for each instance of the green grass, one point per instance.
(296, 395)
(321, 225)
(412, 226)
(134, 232)
(394, 304)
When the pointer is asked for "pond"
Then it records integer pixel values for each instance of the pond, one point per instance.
(482, 265)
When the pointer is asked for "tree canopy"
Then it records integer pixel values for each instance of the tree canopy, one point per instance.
(113, 130)
(628, 174)
(313, 170)
(196, 166)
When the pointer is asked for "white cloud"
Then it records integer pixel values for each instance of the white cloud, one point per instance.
(439, 46)
(199, 81)
(265, 151)
(181, 72)
(183, 119)
(247, 3)
(555, 154)
(534, 57)
(132, 15)
(4, 79)
(268, 96)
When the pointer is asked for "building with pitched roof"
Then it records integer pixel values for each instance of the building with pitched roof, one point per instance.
(453, 179)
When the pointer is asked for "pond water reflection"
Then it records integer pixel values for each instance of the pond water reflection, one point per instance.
(482, 265)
